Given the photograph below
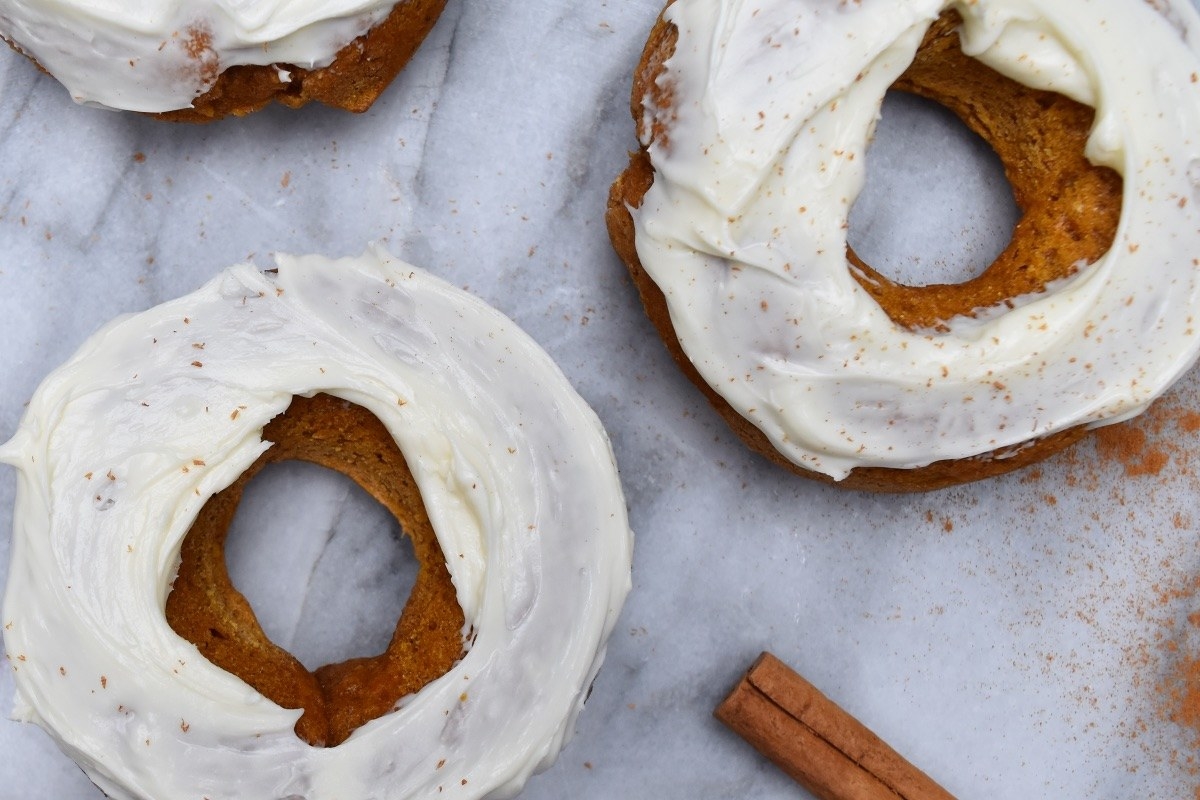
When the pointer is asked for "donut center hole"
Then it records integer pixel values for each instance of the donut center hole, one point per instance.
(325, 567)
(334, 558)
(943, 230)
(936, 207)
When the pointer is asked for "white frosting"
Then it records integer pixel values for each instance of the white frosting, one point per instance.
(158, 55)
(744, 228)
(514, 468)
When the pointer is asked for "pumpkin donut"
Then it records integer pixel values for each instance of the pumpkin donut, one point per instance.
(201, 60)
(127, 641)
(732, 219)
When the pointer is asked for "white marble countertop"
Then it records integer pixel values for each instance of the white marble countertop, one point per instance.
(1015, 638)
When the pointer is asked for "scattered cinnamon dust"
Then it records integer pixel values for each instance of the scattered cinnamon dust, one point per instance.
(198, 46)
(1189, 421)
(1170, 660)
(1144, 478)
(1128, 445)
(1159, 444)
(1156, 451)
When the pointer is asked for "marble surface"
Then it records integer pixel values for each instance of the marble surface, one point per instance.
(1016, 638)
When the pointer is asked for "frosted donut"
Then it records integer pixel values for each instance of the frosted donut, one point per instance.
(204, 59)
(158, 412)
(754, 119)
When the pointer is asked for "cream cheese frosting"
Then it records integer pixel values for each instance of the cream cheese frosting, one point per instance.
(744, 228)
(515, 470)
(158, 55)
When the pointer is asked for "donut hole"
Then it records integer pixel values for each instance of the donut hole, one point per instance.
(936, 207)
(1068, 208)
(206, 608)
(326, 568)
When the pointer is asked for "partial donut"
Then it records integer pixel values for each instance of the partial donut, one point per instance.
(200, 61)
(732, 219)
(159, 413)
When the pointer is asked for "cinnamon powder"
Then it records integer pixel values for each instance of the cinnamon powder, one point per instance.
(1155, 450)
(1176, 659)
(1159, 444)
(1145, 471)
(1128, 445)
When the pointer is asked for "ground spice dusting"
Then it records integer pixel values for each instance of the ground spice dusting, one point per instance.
(198, 46)
(1172, 654)
(1156, 449)
(1157, 444)
(1184, 692)
(1128, 444)
(1120, 511)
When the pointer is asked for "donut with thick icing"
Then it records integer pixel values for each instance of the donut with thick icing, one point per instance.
(199, 61)
(123, 447)
(732, 218)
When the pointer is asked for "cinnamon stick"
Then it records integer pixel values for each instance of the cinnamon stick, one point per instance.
(818, 744)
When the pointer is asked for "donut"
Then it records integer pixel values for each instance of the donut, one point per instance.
(753, 121)
(200, 61)
(128, 644)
